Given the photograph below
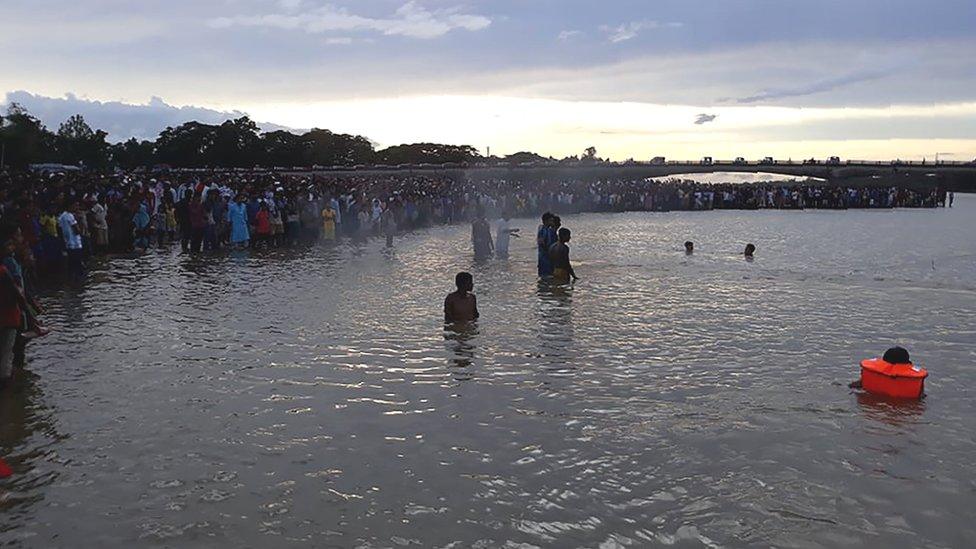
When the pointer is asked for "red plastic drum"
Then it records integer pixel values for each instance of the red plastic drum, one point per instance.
(894, 380)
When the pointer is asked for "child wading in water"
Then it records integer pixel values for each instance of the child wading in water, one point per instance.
(559, 259)
(462, 305)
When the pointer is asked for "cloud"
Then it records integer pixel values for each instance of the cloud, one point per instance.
(567, 34)
(121, 120)
(705, 118)
(290, 5)
(630, 30)
(820, 86)
(410, 20)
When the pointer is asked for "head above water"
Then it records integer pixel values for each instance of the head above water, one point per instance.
(897, 355)
(689, 246)
(750, 250)
(564, 235)
(464, 281)
(546, 218)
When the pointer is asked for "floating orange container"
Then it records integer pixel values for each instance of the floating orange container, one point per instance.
(894, 380)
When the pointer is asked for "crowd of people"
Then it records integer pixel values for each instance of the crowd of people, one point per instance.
(51, 223)
(128, 212)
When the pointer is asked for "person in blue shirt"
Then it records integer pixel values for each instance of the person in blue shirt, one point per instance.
(237, 216)
(544, 241)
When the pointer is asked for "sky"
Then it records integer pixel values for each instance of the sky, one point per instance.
(860, 79)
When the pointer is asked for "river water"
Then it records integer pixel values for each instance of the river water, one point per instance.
(313, 397)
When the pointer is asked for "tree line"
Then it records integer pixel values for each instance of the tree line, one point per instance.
(235, 143)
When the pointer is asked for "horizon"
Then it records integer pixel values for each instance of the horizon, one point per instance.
(676, 79)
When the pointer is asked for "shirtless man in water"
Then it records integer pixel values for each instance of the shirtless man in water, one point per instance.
(559, 256)
(462, 305)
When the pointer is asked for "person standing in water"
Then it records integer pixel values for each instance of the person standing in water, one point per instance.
(750, 251)
(689, 247)
(461, 305)
(502, 236)
(329, 222)
(388, 224)
(952, 198)
(543, 243)
(142, 229)
(237, 217)
(481, 237)
(72, 239)
(562, 269)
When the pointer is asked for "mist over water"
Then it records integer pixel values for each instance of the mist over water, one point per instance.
(313, 397)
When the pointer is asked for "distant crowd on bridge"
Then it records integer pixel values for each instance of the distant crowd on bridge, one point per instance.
(51, 223)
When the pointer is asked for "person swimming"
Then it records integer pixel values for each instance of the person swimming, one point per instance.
(559, 256)
(689, 247)
(461, 305)
(750, 251)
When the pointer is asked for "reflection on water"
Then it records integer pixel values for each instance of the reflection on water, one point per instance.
(315, 397)
(899, 413)
(460, 337)
(555, 326)
(27, 439)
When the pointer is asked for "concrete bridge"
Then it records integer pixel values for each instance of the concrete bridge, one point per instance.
(951, 176)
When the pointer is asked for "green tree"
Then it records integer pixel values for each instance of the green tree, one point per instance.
(24, 139)
(133, 154)
(185, 146)
(284, 149)
(428, 153)
(525, 156)
(77, 143)
(236, 144)
(325, 148)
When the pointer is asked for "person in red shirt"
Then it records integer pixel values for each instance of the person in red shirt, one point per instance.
(262, 224)
(197, 215)
(12, 305)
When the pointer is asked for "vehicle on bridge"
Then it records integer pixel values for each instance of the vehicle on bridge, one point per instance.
(707, 161)
(833, 161)
(658, 161)
(739, 161)
(768, 161)
(811, 162)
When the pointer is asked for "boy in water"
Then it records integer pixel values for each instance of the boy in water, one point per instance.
(689, 247)
(462, 305)
(559, 255)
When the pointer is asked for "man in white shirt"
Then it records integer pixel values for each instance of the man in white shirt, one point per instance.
(72, 239)
(502, 236)
(100, 224)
